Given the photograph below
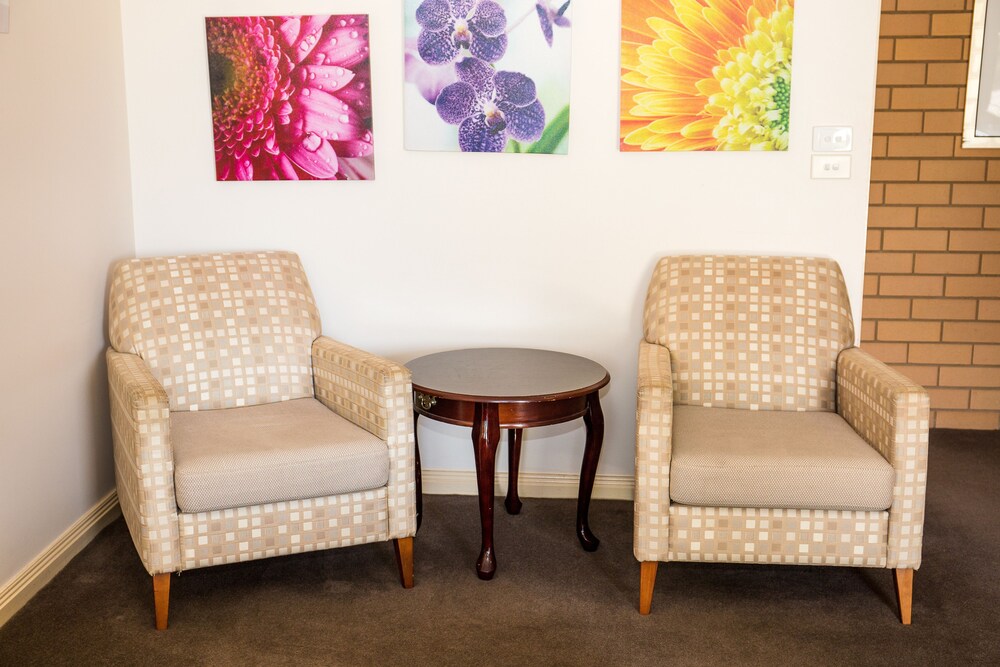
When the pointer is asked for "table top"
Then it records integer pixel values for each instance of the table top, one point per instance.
(493, 375)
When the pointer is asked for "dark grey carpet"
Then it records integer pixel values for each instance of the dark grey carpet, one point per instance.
(550, 603)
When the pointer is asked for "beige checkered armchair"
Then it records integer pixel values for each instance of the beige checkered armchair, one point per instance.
(763, 435)
(239, 431)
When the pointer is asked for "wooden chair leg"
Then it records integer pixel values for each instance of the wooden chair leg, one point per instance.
(404, 560)
(904, 593)
(161, 597)
(647, 579)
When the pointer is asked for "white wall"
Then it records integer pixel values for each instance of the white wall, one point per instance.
(65, 212)
(449, 250)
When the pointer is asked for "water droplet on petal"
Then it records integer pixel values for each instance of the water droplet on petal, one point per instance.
(344, 118)
(311, 142)
(312, 75)
(305, 91)
(354, 34)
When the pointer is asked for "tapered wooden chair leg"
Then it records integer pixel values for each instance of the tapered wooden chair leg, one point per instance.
(161, 597)
(404, 560)
(647, 579)
(904, 593)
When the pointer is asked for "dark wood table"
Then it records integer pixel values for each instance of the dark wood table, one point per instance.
(514, 389)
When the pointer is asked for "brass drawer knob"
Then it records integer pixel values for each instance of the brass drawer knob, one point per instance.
(426, 401)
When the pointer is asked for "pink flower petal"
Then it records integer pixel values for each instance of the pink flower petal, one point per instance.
(316, 158)
(328, 116)
(358, 169)
(344, 45)
(290, 30)
(309, 35)
(327, 77)
(354, 148)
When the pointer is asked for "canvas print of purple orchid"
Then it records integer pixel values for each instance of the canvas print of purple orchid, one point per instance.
(291, 97)
(487, 76)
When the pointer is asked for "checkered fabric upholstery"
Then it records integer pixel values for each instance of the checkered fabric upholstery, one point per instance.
(770, 334)
(755, 333)
(219, 331)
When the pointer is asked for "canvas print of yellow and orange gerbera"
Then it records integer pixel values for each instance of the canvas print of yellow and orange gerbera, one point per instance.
(705, 75)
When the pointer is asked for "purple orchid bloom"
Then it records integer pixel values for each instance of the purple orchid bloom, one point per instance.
(549, 17)
(490, 106)
(449, 26)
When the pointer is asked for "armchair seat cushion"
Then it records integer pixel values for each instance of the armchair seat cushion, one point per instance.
(774, 459)
(238, 457)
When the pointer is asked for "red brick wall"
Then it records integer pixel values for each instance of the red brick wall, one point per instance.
(932, 275)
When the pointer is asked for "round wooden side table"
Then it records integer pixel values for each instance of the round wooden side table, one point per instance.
(511, 388)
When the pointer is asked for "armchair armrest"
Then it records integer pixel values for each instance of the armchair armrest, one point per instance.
(144, 466)
(891, 413)
(375, 394)
(654, 416)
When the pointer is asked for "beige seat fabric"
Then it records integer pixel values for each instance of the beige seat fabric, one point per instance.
(749, 458)
(271, 453)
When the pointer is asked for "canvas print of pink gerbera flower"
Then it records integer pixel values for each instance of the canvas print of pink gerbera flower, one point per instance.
(291, 97)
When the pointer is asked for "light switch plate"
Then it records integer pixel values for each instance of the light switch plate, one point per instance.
(830, 139)
(831, 166)
(4, 15)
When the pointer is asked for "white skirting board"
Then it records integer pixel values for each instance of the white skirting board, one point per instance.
(529, 484)
(15, 593)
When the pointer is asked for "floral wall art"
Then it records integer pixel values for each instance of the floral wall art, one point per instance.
(291, 97)
(705, 75)
(487, 75)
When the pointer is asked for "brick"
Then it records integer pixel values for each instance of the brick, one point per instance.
(876, 193)
(930, 146)
(943, 309)
(917, 193)
(889, 262)
(930, 5)
(917, 239)
(891, 216)
(984, 421)
(895, 170)
(988, 286)
(883, 98)
(911, 286)
(952, 170)
(886, 46)
(989, 310)
(867, 331)
(981, 240)
(991, 264)
(939, 353)
(971, 332)
(980, 193)
(969, 376)
(906, 25)
(890, 353)
(874, 240)
(956, 399)
(942, 122)
(880, 308)
(901, 74)
(908, 331)
(993, 171)
(948, 74)
(871, 285)
(986, 399)
(928, 48)
(926, 376)
(924, 98)
(899, 122)
(949, 216)
(947, 263)
(991, 220)
(879, 146)
(950, 24)
(986, 355)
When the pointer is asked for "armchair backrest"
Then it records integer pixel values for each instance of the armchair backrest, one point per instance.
(218, 331)
(753, 333)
